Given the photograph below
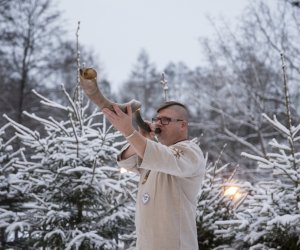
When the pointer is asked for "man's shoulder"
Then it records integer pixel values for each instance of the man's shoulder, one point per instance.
(189, 143)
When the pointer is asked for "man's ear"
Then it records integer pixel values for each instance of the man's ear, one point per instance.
(183, 124)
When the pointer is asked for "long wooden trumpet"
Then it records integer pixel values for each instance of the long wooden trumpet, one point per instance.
(88, 82)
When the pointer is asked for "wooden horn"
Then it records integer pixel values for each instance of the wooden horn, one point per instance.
(88, 82)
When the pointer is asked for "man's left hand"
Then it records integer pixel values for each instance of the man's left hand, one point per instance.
(120, 120)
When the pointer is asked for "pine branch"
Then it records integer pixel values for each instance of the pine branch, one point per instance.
(287, 104)
(77, 89)
(76, 137)
(50, 103)
(59, 126)
(71, 102)
(243, 142)
(94, 168)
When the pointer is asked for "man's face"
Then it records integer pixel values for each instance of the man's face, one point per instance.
(172, 127)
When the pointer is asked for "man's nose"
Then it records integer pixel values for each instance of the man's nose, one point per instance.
(159, 123)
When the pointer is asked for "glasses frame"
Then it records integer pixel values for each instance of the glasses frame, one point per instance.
(165, 120)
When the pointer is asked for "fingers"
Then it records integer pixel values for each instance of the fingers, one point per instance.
(107, 111)
(129, 110)
(118, 111)
(109, 114)
(152, 126)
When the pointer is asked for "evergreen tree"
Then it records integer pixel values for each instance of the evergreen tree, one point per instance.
(273, 211)
(12, 192)
(144, 85)
(270, 217)
(215, 206)
(79, 199)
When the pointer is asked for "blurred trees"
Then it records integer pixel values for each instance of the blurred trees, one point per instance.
(243, 79)
(34, 54)
(144, 85)
(240, 80)
(29, 34)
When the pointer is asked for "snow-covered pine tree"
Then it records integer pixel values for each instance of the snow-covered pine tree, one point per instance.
(270, 216)
(79, 199)
(214, 207)
(12, 192)
(273, 211)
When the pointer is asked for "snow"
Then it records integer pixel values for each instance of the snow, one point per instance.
(285, 220)
(68, 188)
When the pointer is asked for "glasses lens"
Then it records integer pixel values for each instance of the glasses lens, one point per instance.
(165, 120)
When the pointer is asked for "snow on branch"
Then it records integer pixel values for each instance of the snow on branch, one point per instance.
(277, 145)
(15, 226)
(256, 158)
(20, 128)
(72, 103)
(287, 219)
(50, 103)
(295, 130)
(41, 120)
(244, 142)
(91, 236)
(276, 124)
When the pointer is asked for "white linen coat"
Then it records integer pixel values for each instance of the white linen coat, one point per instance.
(166, 199)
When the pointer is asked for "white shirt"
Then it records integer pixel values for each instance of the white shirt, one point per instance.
(166, 199)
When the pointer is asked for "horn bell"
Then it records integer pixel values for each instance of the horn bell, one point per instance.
(88, 82)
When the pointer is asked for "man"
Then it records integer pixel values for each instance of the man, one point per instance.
(171, 171)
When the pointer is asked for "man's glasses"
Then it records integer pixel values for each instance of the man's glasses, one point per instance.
(165, 120)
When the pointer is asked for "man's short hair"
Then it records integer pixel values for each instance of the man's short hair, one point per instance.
(169, 104)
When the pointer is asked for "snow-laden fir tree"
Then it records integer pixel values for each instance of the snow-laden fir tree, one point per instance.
(215, 206)
(12, 193)
(79, 199)
(270, 216)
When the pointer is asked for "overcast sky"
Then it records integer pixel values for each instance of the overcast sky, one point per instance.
(117, 30)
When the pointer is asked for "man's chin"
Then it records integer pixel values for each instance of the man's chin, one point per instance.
(161, 140)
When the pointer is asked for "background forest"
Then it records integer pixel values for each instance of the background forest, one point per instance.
(60, 187)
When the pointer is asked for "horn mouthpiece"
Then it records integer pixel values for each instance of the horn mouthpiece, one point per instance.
(157, 131)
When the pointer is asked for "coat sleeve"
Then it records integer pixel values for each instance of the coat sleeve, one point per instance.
(131, 164)
(183, 159)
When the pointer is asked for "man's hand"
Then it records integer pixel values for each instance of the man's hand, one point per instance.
(120, 120)
(123, 122)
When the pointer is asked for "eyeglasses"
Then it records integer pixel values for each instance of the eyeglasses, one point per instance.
(165, 120)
